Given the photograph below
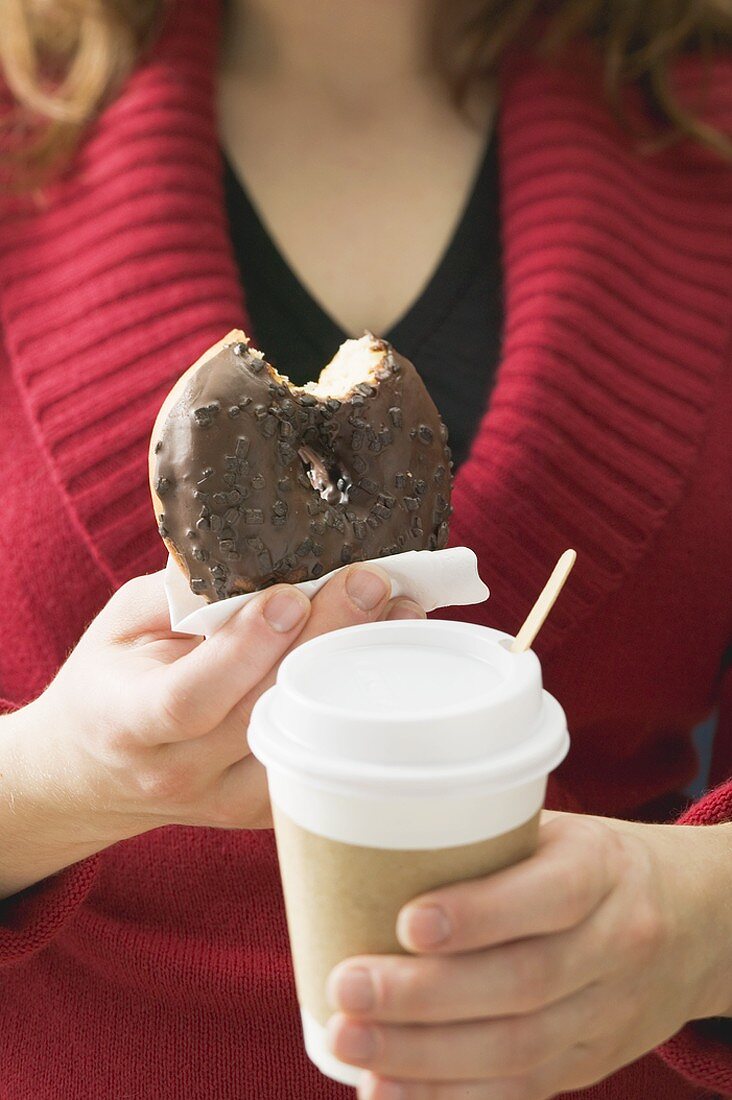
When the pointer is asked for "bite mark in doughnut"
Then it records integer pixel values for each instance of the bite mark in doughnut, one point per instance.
(256, 481)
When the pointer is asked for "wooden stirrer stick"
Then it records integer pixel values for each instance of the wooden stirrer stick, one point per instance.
(535, 618)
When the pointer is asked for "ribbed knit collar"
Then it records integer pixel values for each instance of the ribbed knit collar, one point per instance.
(617, 273)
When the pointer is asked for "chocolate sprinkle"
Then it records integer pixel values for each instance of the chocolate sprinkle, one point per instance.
(286, 453)
(206, 414)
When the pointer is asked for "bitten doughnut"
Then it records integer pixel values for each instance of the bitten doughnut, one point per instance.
(256, 481)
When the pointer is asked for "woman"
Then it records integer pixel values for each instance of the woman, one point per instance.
(147, 961)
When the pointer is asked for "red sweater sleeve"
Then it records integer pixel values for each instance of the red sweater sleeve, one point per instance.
(702, 1051)
(30, 919)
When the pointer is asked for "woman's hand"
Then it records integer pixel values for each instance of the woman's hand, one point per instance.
(547, 976)
(143, 727)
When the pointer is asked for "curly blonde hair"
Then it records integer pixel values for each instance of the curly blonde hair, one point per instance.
(63, 60)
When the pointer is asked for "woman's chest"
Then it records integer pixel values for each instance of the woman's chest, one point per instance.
(615, 337)
(362, 207)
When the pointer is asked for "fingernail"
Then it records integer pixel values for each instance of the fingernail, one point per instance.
(405, 609)
(351, 990)
(423, 926)
(367, 587)
(355, 1042)
(285, 610)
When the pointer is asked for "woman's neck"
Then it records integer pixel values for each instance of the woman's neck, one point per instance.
(350, 145)
(354, 49)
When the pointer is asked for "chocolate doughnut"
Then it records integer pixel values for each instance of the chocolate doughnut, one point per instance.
(256, 481)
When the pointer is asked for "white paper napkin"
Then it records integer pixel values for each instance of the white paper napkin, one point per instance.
(434, 578)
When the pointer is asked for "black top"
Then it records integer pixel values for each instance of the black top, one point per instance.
(452, 332)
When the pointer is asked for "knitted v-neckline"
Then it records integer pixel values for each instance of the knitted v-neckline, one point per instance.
(126, 274)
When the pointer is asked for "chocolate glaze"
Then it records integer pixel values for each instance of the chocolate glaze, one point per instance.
(260, 483)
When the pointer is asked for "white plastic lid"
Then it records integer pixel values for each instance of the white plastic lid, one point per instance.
(410, 703)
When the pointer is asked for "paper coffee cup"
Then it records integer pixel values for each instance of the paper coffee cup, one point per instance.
(400, 757)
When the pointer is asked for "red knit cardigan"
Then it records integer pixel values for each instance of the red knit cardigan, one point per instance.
(161, 968)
